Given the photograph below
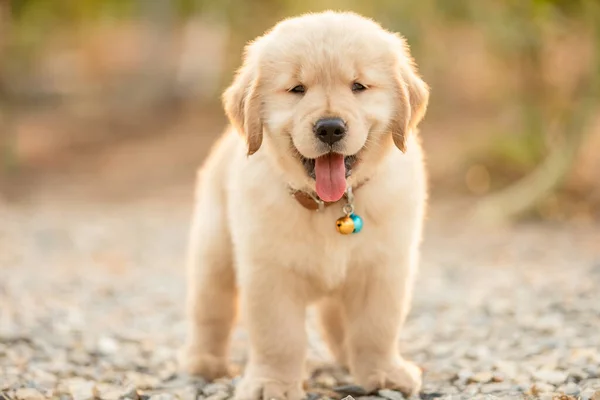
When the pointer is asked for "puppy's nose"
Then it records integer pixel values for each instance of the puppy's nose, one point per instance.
(330, 130)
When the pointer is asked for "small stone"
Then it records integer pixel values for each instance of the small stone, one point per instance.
(554, 377)
(478, 353)
(523, 379)
(142, 381)
(481, 377)
(509, 369)
(495, 387)
(541, 387)
(351, 390)
(596, 395)
(431, 395)
(549, 396)
(28, 394)
(130, 393)
(319, 393)
(390, 394)
(593, 371)
(189, 393)
(450, 390)
(522, 387)
(9, 382)
(218, 396)
(200, 383)
(214, 388)
(81, 389)
(587, 394)
(571, 389)
(108, 392)
(107, 345)
(80, 357)
(44, 379)
(591, 384)
(441, 350)
(471, 390)
(464, 375)
(577, 374)
(348, 398)
(162, 396)
(325, 380)
(549, 323)
(564, 397)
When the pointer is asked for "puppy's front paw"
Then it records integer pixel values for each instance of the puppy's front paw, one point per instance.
(402, 376)
(203, 364)
(253, 388)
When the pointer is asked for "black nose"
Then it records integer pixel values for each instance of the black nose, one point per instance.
(330, 130)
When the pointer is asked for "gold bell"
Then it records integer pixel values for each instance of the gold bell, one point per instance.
(345, 225)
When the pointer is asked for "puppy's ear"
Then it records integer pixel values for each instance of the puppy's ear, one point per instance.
(242, 103)
(412, 95)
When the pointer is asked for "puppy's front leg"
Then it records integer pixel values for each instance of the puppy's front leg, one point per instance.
(275, 309)
(376, 306)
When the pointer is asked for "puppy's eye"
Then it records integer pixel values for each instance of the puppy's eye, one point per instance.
(357, 87)
(300, 89)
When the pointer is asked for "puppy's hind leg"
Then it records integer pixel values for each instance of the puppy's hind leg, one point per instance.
(212, 296)
(332, 324)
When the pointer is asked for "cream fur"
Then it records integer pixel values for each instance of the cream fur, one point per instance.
(251, 240)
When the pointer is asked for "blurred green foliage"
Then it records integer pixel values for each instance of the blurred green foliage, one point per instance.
(510, 25)
(250, 16)
(515, 31)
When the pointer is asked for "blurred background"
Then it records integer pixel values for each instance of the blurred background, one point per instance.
(108, 107)
(100, 96)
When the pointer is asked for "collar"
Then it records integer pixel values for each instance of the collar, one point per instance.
(311, 201)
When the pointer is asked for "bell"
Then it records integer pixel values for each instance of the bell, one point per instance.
(358, 223)
(345, 225)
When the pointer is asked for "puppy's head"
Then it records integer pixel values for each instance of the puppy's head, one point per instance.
(327, 94)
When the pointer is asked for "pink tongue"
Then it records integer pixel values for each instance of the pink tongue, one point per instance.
(331, 177)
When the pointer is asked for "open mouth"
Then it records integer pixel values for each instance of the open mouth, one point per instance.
(309, 165)
(330, 172)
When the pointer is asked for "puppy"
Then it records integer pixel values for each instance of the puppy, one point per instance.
(323, 111)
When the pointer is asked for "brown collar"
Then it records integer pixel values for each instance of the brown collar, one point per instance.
(312, 201)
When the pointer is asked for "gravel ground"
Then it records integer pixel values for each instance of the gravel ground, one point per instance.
(91, 307)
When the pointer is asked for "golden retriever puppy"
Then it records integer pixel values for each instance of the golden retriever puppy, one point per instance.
(314, 195)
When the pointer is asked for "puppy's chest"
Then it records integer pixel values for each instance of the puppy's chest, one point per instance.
(309, 243)
(315, 249)
(275, 228)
